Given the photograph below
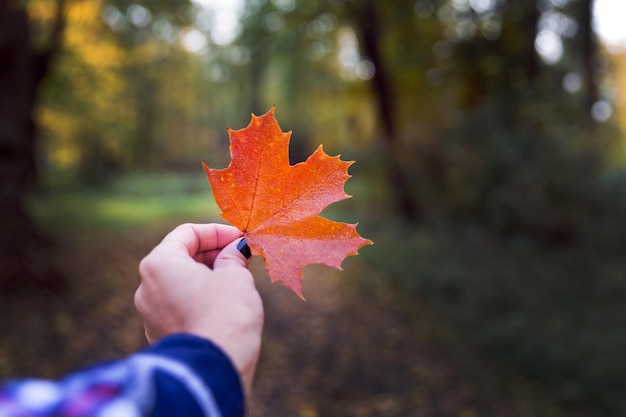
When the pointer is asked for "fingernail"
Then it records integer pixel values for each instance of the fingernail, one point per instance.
(243, 247)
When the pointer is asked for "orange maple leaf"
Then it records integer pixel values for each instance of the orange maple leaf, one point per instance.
(276, 205)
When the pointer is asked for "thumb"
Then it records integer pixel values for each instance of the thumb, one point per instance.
(233, 255)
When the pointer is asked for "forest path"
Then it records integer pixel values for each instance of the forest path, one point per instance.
(358, 352)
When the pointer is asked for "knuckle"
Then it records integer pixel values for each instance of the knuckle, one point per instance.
(185, 226)
(148, 266)
(139, 300)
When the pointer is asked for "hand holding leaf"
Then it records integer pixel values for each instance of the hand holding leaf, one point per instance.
(276, 205)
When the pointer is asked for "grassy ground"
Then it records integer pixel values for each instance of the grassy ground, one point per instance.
(128, 201)
(350, 350)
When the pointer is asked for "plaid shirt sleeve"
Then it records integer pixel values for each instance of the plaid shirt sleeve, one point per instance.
(182, 375)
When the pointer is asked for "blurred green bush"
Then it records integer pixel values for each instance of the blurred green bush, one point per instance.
(522, 248)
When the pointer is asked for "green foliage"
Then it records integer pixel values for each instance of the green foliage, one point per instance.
(522, 247)
(525, 168)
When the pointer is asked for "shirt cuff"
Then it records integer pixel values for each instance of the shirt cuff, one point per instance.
(210, 363)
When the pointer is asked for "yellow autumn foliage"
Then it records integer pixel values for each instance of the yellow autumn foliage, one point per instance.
(87, 37)
(105, 87)
(619, 62)
(92, 64)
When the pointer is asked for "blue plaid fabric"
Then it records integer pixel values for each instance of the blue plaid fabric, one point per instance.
(182, 375)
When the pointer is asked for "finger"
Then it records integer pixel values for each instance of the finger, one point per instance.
(195, 238)
(230, 256)
(207, 257)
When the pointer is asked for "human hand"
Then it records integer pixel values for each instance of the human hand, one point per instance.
(196, 281)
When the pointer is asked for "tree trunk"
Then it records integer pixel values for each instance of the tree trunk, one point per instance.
(369, 32)
(588, 49)
(532, 58)
(23, 260)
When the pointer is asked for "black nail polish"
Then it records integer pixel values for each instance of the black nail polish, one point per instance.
(243, 247)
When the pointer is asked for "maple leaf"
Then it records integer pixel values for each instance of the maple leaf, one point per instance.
(276, 205)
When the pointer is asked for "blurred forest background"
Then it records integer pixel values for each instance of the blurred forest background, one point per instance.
(490, 149)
